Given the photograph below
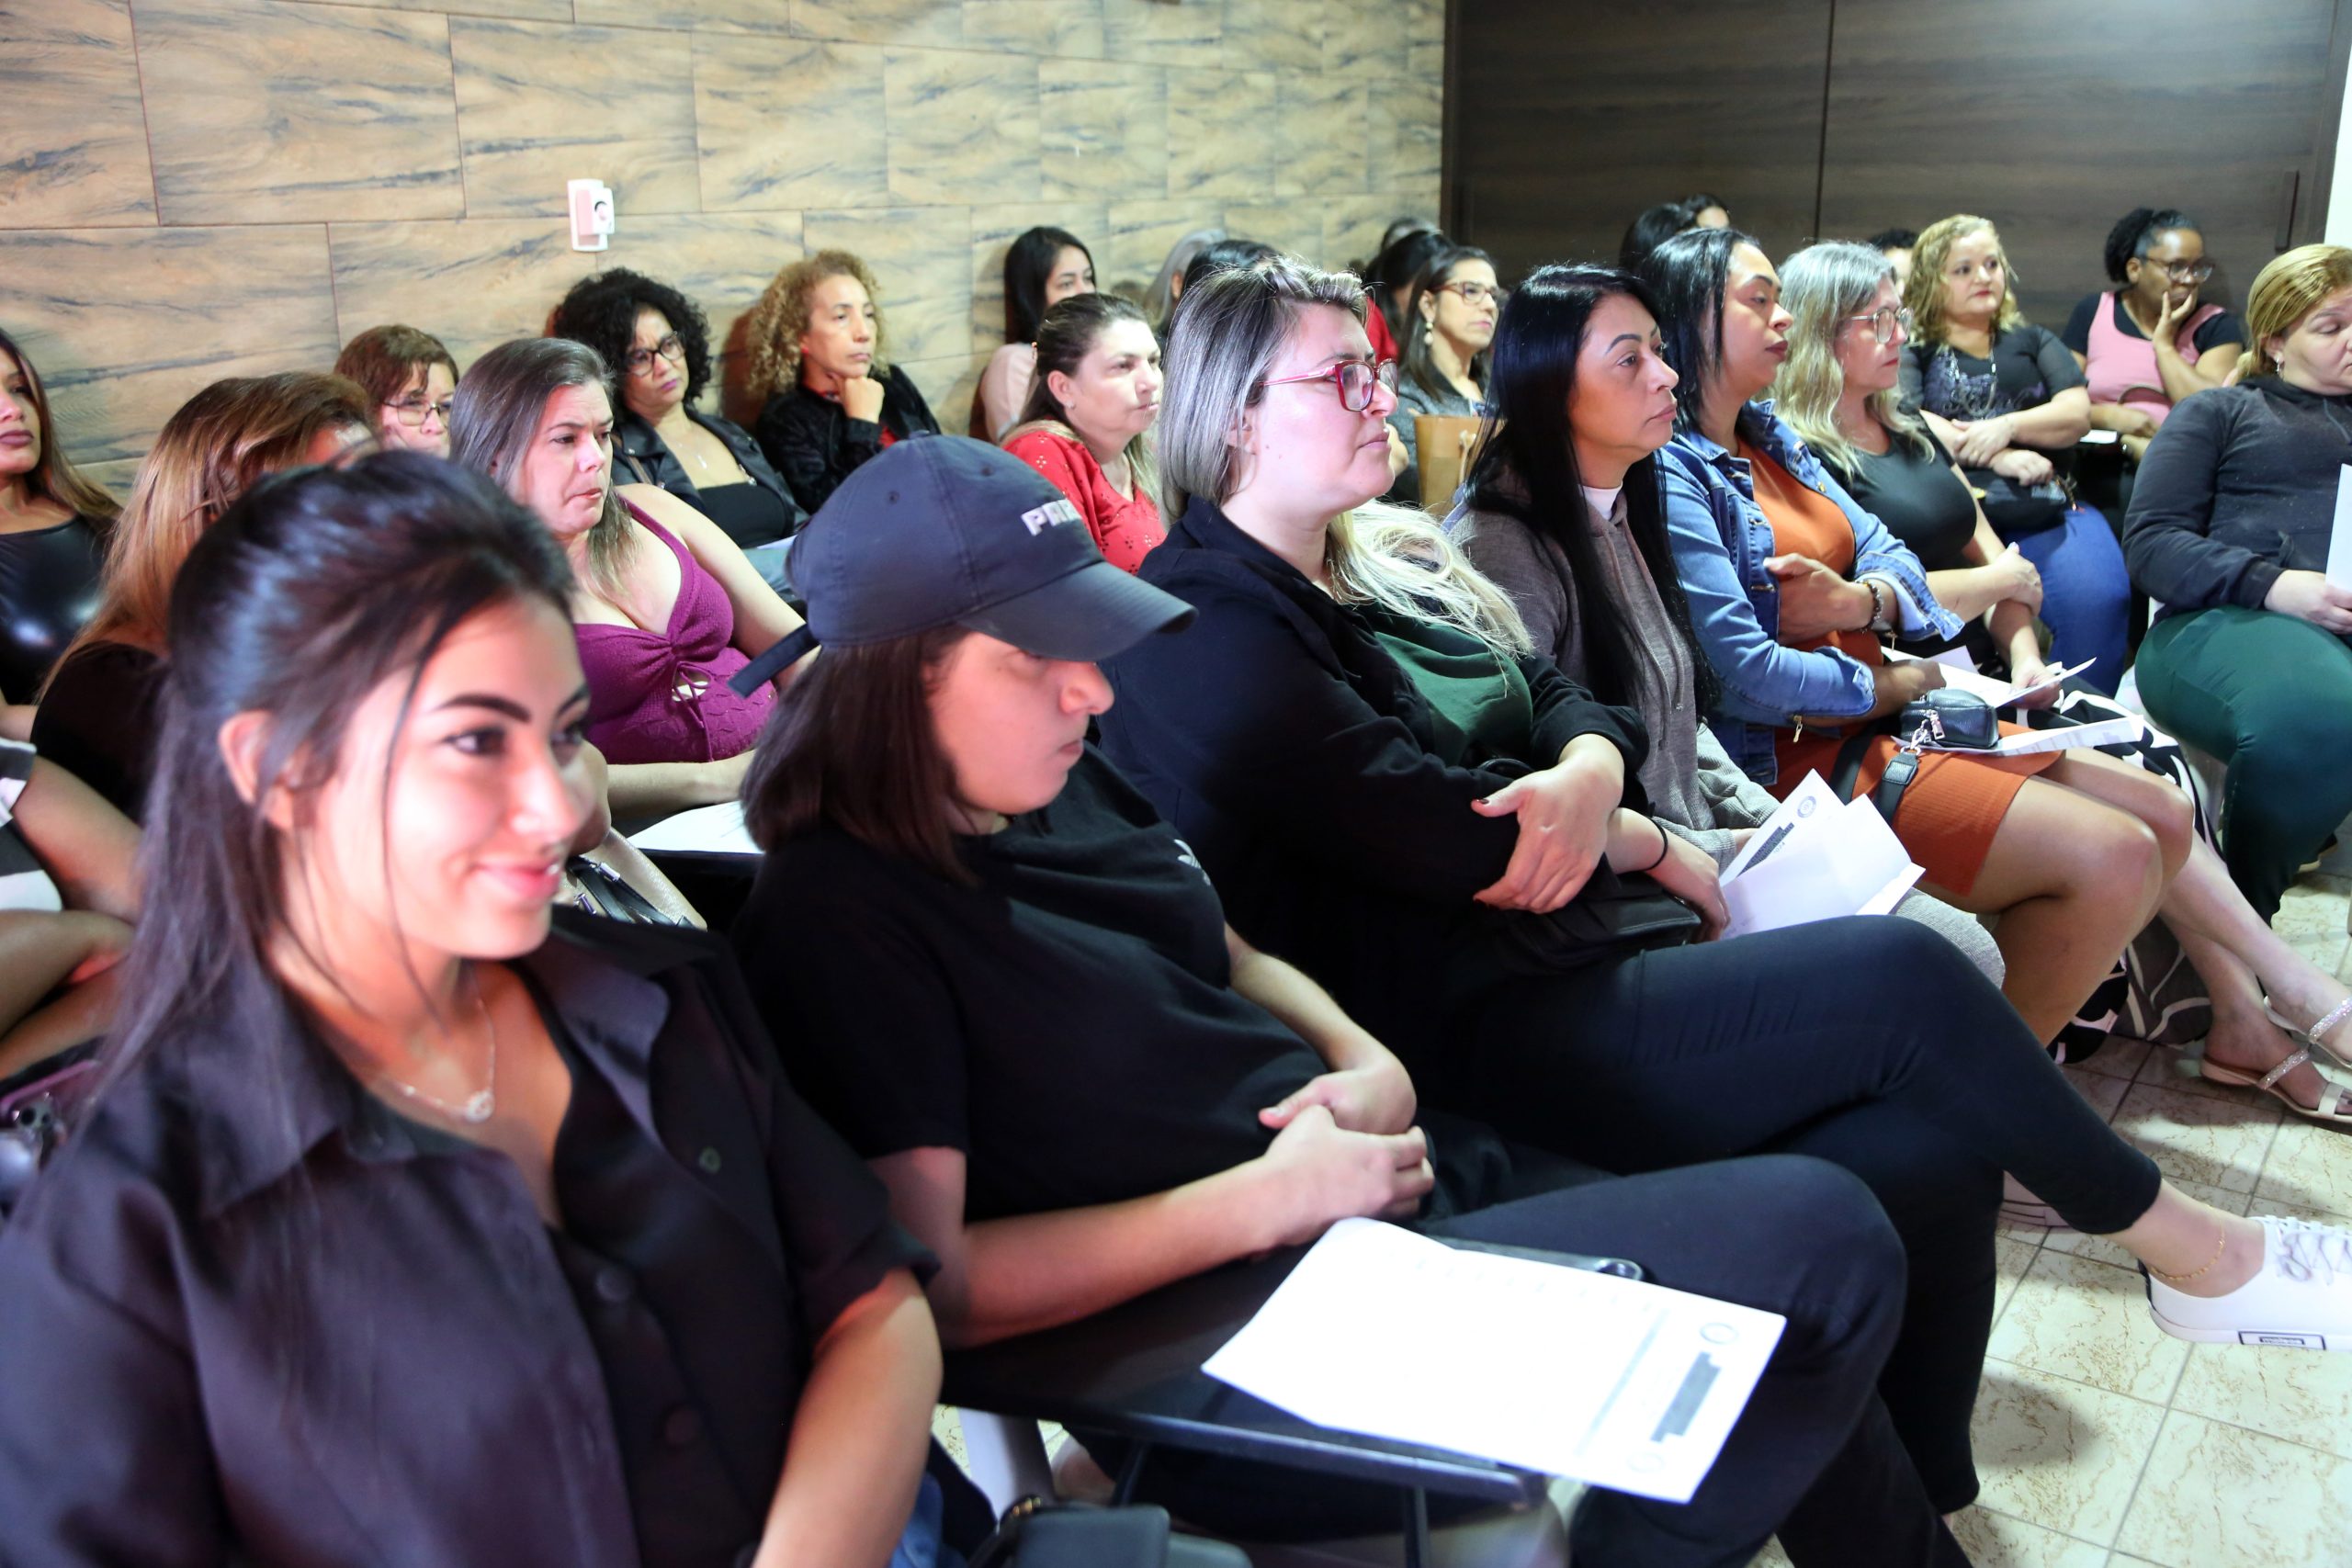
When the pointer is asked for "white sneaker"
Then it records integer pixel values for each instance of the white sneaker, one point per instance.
(2301, 1298)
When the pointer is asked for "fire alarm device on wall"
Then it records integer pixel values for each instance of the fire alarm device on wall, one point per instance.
(592, 214)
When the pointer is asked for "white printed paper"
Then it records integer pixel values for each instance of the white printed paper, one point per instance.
(1998, 694)
(1817, 858)
(1616, 1382)
(704, 829)
(2339, 544)
(2106, 732)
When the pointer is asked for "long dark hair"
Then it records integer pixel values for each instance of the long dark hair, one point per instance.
(1687, 276)
(55, 477)
(1413, 344)
(1651, 228)
(1399, 262)
(601, 312)
(1028, 267)
(312, 590)
(853, 746)
(1526, 468)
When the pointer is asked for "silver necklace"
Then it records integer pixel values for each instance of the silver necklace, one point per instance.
(479, 1106)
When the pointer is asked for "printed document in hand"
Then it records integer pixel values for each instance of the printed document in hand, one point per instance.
(705, 830)
(1613, 1382)
(1816, 859)
(2339, 544)
(1998, 694)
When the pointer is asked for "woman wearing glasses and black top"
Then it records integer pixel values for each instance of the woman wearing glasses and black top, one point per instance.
(658, 345)
(1450, 323)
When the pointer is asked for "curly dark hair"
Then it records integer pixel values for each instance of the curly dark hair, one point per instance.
(2137, 230)
(601, 312)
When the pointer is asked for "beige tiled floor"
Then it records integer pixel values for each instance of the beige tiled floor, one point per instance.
(2103, 1443)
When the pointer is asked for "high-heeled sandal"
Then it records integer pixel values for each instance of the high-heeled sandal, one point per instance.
(2312, 1037)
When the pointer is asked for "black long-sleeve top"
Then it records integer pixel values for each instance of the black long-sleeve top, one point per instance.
(815, 445)
(1297, 760)
(2237, 487)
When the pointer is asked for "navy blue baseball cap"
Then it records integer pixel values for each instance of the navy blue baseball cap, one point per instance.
(943, 530)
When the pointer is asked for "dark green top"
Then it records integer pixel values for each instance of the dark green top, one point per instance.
(1484, 709)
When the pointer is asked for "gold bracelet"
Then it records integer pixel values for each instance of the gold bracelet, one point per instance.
(2184, 1278)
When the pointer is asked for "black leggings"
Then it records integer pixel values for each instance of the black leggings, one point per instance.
(1872, 1042)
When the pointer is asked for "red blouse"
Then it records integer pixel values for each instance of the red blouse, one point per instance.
(1125, 528)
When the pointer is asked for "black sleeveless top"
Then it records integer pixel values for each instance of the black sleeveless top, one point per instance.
(49, 591)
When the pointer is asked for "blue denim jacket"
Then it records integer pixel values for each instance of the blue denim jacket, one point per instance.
(1721, 542)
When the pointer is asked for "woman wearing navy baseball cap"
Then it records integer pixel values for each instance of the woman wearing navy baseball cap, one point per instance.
(1010, 984)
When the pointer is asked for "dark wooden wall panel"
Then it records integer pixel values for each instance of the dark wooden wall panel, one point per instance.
(1571, 115)
(2054, 120)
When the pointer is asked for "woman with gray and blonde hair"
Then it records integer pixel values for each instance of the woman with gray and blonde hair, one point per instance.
(1392, 793)
(665, 608)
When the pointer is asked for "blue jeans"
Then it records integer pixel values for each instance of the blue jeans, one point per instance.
(920, 1546)
(2085, 594)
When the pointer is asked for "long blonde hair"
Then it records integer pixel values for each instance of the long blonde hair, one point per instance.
(1925, 291)
(221, 444)
(1824, 287)
(1227, 332)
(780, 319)
(2286, 292)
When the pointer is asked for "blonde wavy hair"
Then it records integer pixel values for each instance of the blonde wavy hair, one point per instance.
(221, 444)
(1226, 334)
(1824, 287)
(780, 319)
(1925, 292)
(2286, 292)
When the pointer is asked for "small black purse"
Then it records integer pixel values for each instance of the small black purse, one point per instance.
(1945, 719)
(1613, 915)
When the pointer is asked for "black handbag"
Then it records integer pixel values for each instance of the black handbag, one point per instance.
(1613, 915)
(1950, 719)
(34, 1108)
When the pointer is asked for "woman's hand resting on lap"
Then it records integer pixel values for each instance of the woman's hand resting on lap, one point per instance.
(1689, 873)
(1321, 1173)
(1563, 815)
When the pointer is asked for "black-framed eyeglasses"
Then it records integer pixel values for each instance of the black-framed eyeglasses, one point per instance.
(2184, 272)
(1884, 321)
(640, 360)
(410, 411)
(1354, 379)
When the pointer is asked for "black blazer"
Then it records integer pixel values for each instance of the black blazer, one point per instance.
(1295, 757)
(252, 1313)
(815, 445)
(642, 458)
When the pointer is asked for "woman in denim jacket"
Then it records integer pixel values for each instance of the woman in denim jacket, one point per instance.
(1789, 585)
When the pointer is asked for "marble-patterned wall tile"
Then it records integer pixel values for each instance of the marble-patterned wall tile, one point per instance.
(1407, 140)
(516, 10)
(269, 111)
(1072, 29)
(1218, 134)
(935, 24)
(993, 232)
(948, 386)
(1142, 232)
(1103, 128)
(538, 105)
(1293, 228)
(722, 261)
(1352, 225)
(1365, 41)
(962, 125)
(784, 123)
(748, 16)
(1164, 32)
(1274, 35)
(1323, 121)
(473, 284)
(72, 120)
(921, 258)
(126, 324)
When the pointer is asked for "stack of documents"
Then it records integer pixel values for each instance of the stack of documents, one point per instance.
(1817, 858)
(703, 830)
(1608, 1381)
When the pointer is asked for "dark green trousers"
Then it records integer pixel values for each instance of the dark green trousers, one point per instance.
(2271, 697)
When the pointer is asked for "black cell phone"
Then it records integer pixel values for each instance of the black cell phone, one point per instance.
(1617, 1268)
